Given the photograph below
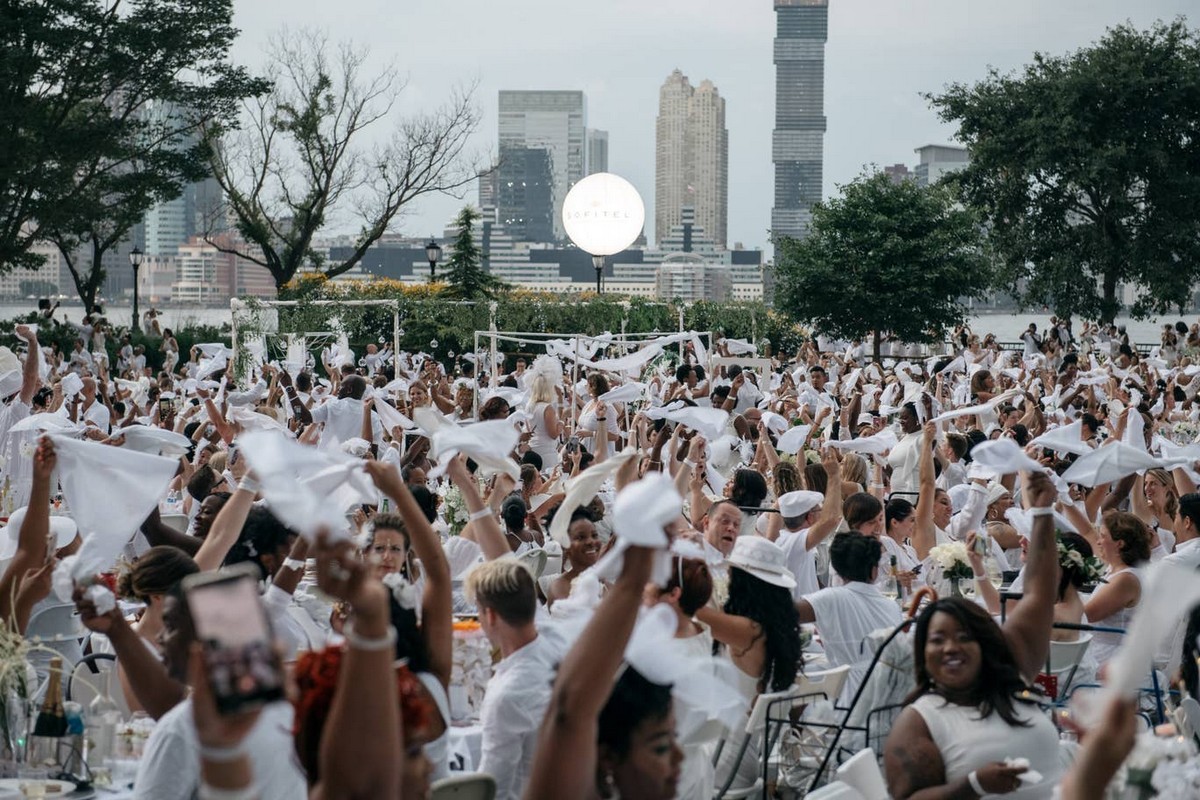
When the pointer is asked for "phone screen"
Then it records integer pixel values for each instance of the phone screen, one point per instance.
(243, 668)
(164, 406)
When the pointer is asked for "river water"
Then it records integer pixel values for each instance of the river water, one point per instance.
(1006, 327)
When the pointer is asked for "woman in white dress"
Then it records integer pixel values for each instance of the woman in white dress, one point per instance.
(170, 350)
(1124, 542)
(972, 708)
(598, 421)
(544, 424)
(761, 629)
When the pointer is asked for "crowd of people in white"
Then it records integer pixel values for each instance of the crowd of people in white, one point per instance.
(650, 538)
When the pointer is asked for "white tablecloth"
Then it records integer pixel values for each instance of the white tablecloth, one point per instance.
(465, 749)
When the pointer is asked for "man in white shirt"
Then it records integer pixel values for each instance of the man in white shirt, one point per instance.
(343, 416)
(804, 527)
(1033, 342)
(845, 615)
(92, 411)
(519, 692)
(1186, 555)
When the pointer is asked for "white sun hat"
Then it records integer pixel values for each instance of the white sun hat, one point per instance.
(763, 559)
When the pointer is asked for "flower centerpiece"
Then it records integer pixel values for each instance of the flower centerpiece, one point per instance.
(1164, 767)
(1183, 432)
(17, 686)
(955, 566)
(454, 508)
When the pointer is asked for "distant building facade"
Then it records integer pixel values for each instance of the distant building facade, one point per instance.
(798, 142)
(597, 151)
(691, 157)
(542, 153)
(937, 160)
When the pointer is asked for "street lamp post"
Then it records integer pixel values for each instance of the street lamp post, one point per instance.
(598, 263)
(135, 261)
(433, 251)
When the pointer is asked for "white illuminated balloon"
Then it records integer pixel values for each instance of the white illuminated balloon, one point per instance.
(603, 214)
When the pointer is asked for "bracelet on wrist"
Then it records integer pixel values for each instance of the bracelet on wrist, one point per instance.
(385, 642)
(222, 755)
(973, 780)
(248, 484)
(1046, 511)
(294, 563)
(689, 463)
(480, 514)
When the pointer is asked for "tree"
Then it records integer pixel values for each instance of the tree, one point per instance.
(303, 159)
(884, 257)
(465, 277)
(104, 107)
(1086, 168)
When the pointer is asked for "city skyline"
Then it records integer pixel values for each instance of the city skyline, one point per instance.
(879, 57)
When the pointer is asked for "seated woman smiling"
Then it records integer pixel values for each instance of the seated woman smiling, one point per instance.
(972, 709)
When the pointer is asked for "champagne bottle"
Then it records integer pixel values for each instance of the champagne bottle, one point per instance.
(52, 719)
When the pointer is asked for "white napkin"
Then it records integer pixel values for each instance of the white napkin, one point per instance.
(390, 417)
(1064, 439)
(1004, 456)
(708, 422)
(878, 444)
(110, 491)
(1111, 462)
(643, 508)
(793, 439)
(625, 393)
(157, 441)
(486, 443)
(295, 480)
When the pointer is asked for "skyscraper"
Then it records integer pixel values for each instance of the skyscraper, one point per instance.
(798, 145)
(542, 155)
(691, 157)
(597, 151)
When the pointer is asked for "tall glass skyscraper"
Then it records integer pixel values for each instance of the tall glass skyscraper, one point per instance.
(553, 122)
(798, 144)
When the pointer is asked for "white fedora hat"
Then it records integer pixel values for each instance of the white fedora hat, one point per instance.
(763, 559)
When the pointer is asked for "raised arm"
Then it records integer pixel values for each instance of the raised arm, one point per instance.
(362, 742)
(484, 526)
(227, 527)
(565, 761)
(157, 533)
(831, 506)
(32, 537)
(30, 372)
(924, 535)
(1028, 626)
(437, 604)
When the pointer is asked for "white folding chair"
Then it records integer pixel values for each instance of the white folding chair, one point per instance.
(826, 684)
(861, 772)
(55, 624)
(1187, 717)
(473, 786)
(89, 677)
(1064, 660)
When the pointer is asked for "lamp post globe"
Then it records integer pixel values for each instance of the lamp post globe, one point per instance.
(433, 252)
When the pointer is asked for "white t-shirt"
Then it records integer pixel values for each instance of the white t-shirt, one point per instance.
(343, 420)
(800, 560)
(512, 712)
(170, 765)
(97, 414)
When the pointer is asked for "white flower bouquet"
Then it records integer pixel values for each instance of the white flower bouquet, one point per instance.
(454, 508)
(953, 561)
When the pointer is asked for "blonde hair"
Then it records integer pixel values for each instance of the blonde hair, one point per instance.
(217, 461)
(854, 469)
(540, 390)
(504, 585)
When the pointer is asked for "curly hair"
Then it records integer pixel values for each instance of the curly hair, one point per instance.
(999, 683)
(316, 674)
(772, 608)
(749, 488)
(633, 700)
(787, 478)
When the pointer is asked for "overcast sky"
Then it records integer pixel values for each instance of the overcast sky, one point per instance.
(880, 56)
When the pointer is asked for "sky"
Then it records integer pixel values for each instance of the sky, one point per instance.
(881, 55)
